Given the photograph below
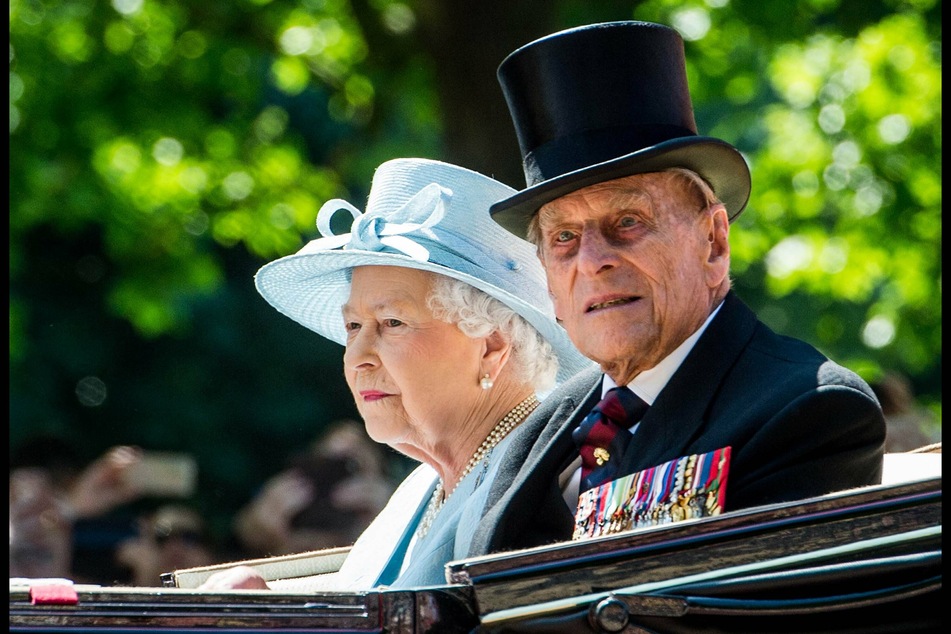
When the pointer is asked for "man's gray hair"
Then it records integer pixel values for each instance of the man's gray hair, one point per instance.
(477, 315)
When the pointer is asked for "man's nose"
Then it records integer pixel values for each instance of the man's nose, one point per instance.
(595, 252)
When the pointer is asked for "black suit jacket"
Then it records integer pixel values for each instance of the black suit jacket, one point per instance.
(799, 425)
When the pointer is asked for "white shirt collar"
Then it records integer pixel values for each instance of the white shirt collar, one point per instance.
(649, 383)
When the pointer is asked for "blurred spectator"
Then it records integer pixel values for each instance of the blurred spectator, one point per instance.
(66, 516)
(50, 491)
(909, 426)
(171, 537)
(325, 496)
(41, 531)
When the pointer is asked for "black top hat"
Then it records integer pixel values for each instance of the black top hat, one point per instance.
(603, 101)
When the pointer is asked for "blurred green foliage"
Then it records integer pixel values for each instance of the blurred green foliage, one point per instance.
(162, 150)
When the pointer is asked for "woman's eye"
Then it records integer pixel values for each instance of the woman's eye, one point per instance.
(351, 326)
(628, 221)
(392, 323)
(564, 236)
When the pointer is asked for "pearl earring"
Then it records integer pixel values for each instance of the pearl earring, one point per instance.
(486, 382)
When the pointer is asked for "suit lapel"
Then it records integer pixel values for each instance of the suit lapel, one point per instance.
(551, 447)
(561, 449)
(677, 415)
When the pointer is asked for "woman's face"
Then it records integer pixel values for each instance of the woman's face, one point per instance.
(410, 374)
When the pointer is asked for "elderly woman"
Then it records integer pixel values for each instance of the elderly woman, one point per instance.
(450, 339)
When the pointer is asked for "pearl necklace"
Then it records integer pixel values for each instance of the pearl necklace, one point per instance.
(500, 431)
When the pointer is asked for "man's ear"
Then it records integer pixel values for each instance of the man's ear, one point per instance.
(718, 238)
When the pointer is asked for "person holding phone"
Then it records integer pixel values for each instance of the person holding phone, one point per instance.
(58, 503)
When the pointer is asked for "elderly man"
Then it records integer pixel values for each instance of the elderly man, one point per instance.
(630, 211)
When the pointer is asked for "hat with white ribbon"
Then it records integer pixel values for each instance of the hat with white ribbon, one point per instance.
(420, 214)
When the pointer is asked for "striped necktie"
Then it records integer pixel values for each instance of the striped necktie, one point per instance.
(602, 437)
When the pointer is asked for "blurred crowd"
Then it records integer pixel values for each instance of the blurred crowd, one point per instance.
(109, 522)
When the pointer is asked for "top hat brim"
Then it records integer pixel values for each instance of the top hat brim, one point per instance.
(716, 161)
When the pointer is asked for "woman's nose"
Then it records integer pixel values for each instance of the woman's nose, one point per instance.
(360, 353)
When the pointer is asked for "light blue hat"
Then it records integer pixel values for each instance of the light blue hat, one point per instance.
(421, 214)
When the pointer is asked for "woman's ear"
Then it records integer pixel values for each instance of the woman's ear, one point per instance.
(495, 354)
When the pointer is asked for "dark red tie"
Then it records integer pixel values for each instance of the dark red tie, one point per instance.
(603, 436)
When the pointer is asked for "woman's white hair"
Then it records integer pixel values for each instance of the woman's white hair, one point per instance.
(477, 315)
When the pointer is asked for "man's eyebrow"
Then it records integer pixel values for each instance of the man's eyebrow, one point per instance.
(624, 197)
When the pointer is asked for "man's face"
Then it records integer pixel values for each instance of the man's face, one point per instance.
(634, 266)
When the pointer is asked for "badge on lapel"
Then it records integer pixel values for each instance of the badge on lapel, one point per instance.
(684, 488)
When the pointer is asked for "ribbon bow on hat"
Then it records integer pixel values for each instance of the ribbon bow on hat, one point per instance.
(372, 232)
